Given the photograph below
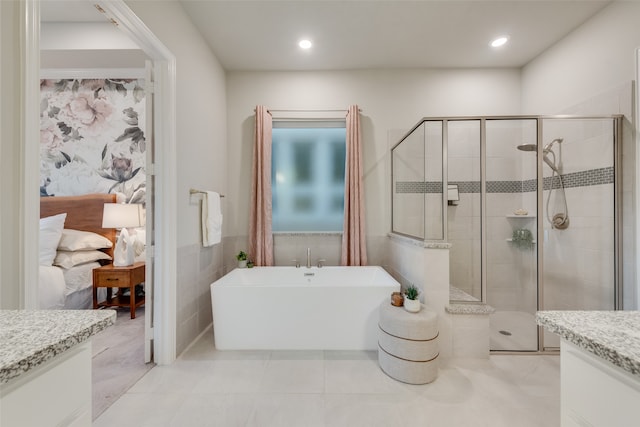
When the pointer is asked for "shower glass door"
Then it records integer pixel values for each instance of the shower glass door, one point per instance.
(578, 255)
(418, 180)
(464, 230)
(408, 182)
(511, 207)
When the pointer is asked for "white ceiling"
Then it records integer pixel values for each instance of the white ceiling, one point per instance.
(371, 34)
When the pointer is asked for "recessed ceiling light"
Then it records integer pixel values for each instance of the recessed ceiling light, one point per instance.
(500, 41)
(304, 44)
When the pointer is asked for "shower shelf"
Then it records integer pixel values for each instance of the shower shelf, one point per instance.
(520, 216)
(511, 240)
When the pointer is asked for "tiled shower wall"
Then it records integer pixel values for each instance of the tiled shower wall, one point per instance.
(579, 262)
(620, 100)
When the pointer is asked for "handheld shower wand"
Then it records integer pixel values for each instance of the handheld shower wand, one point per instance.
(559, 220)
(547, 147)
(547, 150)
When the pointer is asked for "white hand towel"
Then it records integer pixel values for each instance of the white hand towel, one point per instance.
(211, 219)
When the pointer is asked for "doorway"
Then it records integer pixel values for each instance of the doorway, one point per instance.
(162, 266)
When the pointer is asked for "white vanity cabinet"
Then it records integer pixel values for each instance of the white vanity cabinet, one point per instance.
(595, 392)
(45, 366)
(599, 366)
(57, 393)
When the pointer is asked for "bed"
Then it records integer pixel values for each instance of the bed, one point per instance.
(65, 277)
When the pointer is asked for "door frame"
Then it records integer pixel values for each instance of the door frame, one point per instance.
(165, 169)
(636, 119)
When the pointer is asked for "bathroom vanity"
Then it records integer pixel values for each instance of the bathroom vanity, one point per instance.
(45, 366)
(599, 365)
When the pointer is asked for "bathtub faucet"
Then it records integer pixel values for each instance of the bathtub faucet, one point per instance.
(308, 257)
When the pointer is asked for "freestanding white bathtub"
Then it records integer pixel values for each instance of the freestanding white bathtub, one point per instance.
(289, 308)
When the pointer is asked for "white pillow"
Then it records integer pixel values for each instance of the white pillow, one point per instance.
(68, 259)
(50, 233)
(76, 240)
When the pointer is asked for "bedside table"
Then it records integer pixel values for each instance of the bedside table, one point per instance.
(109, 276)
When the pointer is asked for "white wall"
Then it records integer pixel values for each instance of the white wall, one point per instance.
(93, 35)
(87, 45)
(201, 158)
(389, 99)
(90, 59)
(10, 170)
(596, 57)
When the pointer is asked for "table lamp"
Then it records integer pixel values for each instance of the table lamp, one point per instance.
(122, 216)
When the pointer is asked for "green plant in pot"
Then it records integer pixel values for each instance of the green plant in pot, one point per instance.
(522, 238)
(411, 301)
(242, 259)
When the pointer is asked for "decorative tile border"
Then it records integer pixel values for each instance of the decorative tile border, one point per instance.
(570, 180)
(504, 186)
(586, 178)
(467, 186)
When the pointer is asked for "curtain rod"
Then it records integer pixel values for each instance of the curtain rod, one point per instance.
(341, 110)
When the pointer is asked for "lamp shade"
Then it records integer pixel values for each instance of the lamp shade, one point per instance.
(121, 215)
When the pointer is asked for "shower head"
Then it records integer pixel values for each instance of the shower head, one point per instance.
(527, 147)
(547, 150)
(534, 147)
(551, 163)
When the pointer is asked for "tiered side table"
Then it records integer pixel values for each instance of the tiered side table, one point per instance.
(408, 344)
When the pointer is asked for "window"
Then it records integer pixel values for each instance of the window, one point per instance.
(307, 176)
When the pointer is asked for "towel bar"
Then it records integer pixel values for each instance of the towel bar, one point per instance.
(194, 191)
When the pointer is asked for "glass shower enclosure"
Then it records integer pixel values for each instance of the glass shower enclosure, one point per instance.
(530, 207)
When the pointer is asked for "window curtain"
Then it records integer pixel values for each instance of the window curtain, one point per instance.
(260, 232)
(354, 250)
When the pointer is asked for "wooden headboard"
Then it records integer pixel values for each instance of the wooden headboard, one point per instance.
(83, 213)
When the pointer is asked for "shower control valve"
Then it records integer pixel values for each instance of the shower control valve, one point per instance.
(296, 263)
(321, 263)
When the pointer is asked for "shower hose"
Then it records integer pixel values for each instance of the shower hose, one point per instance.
(559, 220)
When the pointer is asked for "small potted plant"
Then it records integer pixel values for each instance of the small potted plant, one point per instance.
(242, 259)
(411, 301)
(250, 264)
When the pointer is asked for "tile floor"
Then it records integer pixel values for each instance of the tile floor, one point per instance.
(117, 359)
(520, 324)
(205, 387)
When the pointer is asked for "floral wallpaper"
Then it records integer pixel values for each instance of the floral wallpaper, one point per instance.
(92, 137)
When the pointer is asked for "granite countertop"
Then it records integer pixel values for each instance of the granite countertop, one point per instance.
(611, 335)
(469, 308)
(421, 243)
(32, 337)
(461, 302)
